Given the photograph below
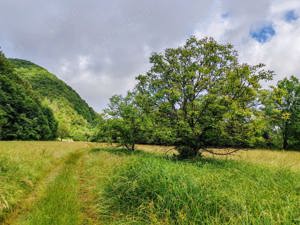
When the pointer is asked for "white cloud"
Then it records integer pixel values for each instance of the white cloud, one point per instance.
(281, 53)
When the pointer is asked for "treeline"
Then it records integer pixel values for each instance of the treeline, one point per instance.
(199, 95)
(22, 115)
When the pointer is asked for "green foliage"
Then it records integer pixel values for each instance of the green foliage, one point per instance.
(75, 118)
(22, 115)
(127, 124)
(282, 109)
(202, 95)
(157, 191)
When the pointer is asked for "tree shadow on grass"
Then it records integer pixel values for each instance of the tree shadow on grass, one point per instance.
(118, 151)
(198, 161)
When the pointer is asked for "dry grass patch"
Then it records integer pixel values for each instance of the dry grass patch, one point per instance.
(273, 158)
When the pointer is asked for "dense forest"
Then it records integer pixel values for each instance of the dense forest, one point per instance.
(193, 97)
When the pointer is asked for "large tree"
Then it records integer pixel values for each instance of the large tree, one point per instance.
(200, 94)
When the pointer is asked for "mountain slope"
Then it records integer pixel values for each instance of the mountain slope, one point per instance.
(75, 117)
(22, 115)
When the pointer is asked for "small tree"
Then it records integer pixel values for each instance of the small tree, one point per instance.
(282, 109)
(126, 124)
(63, 131)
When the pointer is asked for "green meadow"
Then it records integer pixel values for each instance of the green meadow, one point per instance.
(87, 183)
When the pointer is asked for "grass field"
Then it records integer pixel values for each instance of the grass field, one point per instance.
(84, 183)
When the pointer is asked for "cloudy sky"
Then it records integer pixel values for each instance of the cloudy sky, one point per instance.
(98, 46)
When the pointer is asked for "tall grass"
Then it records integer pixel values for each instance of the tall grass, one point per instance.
(160, 191)
(271, 158)
(96, 168)
(112, 186)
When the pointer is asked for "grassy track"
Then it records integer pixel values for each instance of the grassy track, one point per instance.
(26, 204)
(23, 165)
(59, 205)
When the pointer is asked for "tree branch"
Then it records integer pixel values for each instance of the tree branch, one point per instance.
(167, 151)
(227, 153)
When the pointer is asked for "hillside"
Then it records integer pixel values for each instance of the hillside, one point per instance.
(22, 115)
(75, 117)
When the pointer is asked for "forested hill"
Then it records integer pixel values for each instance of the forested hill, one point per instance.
(74, 116)
(22, 115)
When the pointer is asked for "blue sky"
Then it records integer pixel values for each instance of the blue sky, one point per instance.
(263, 33)
(98, 47)
(291, 15)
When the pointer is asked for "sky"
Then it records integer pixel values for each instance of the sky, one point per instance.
(98, 47)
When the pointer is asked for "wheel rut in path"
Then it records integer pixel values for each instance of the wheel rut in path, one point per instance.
(86, 196)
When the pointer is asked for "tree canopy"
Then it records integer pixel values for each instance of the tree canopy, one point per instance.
(202, 94)
(126, 122)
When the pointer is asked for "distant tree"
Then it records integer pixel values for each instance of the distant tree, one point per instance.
(282, 109)
(63, 131)
(126, 123)
(201, 95)
(51, 124)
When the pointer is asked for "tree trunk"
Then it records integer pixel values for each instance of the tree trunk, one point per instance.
(133, 147)
(285, 137)
(186, 152)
